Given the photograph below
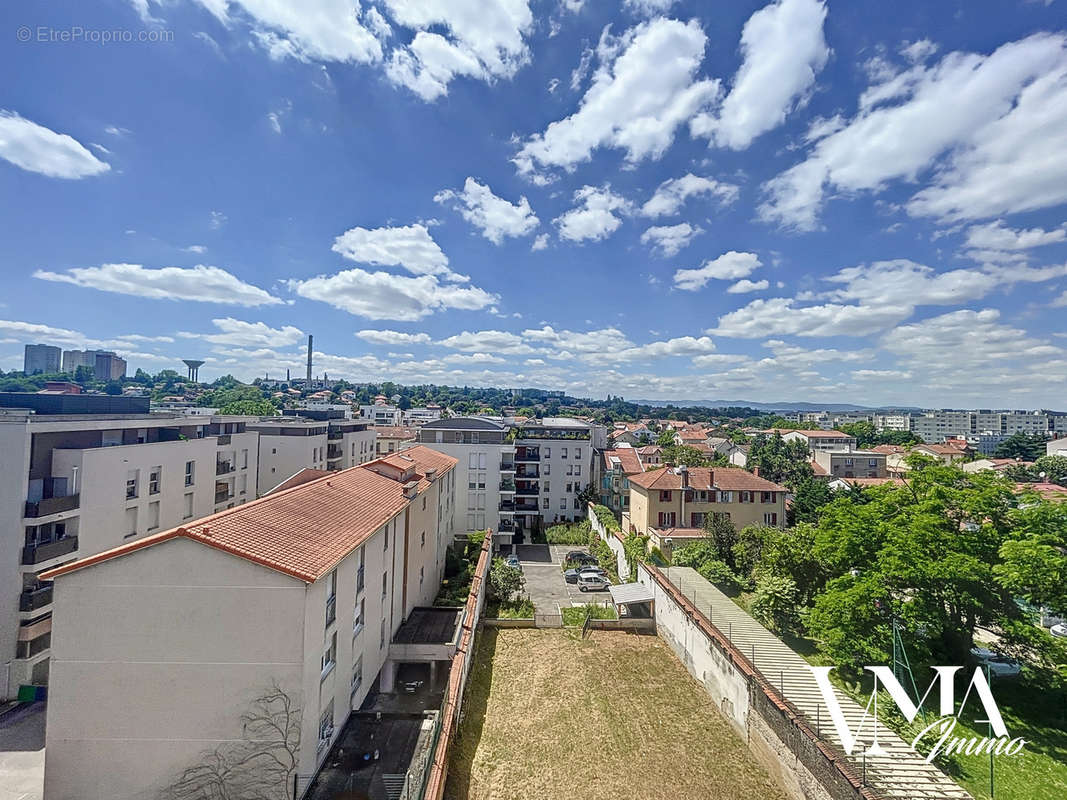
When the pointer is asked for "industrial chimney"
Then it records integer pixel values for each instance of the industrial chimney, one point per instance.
(309, 361)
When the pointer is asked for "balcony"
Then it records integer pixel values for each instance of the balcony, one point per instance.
(527, 455)
(527, 471)
(335, 435)
(528, 489)
(507, 507)
(505, 526)
(507, 486)
(224, 440)
(222, 497)
(224, 467)
(333, 453)
(33, 599)
(507, 465)
(45, 551)
(526, 508)
(52, 505)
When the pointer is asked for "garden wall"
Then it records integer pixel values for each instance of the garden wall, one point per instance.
(614, 540)
(782, 741)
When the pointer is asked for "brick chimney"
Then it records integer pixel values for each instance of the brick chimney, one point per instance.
(755, 471)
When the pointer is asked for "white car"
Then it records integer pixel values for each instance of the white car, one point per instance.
(1059, 630)
(999, 665)
(591, 582)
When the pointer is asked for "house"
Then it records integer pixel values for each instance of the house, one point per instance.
(944, 453)
(849, 464)
(894, 457)
(993, 464)
(650, 454)
(820, 440)
(615, 470)
(623, 436)
(666, 539)
(245, 639)
(681, 498)
(393, 438)
(1052, 492)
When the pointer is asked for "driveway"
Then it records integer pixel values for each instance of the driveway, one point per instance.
(22, 753)
(545, 584)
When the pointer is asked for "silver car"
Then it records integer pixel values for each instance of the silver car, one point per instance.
(591, 582)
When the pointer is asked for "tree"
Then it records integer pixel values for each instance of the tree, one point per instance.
(780, 461)
(1021, 445)
(113, 387)
(83, 375)
(774, 602)
(666, 438)
(505, 581)
(684, 455)
(810, 494)
(863, 431)
(253, 408)
(722, 536)
(1053, 467)
(587, 495)
(1034, 559)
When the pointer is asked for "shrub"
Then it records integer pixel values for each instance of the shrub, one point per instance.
(606, 518)
(635, 548)
(504, 580)
(577, 615)
(576, 533)
(717, 572)
(775, 602)
(522, 608)
(657, 558)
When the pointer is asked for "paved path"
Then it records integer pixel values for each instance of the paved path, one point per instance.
(22, 753)
(545, 583)
(901, 773)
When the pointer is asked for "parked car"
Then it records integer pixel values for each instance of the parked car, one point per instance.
(1059, 630)
(591, 570)
(513, 561)
(999, 665)
(571, 576)
(589, 582)
(580, 556)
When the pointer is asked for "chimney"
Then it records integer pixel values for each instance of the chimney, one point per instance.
(309, 360)
(411, 489)
(755, 471)
(430, 473)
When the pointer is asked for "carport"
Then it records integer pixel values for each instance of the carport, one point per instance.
(633, 601)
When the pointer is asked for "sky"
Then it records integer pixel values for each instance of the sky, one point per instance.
(835, 202)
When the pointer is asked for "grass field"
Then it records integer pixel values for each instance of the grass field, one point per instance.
(550, 715)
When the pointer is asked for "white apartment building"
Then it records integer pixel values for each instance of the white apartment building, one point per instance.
(382, 414)
(892, 422)
(41, 358)
(485, 472)
(290, 444)
(936, 426)
(822, 440)
(76, 484)
(1057, 447)
(422, 415)
(173, 653)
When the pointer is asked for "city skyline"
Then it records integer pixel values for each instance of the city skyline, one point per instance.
(824, 204)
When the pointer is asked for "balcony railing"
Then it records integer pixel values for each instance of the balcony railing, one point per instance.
(507, 505)
(331, 610)
(224, 440)
(360, 582)
(527, 456)
(526, 507)
(335, 435)
(507, 486)
(507, 466)
(52, 505)
(334, 452)
(33, 599)
(222, 497)
(528, 489)
(224, 467)
(43, 551)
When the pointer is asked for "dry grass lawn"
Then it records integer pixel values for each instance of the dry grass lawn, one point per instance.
(612, 717)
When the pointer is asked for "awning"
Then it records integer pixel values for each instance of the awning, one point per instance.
(626, 593)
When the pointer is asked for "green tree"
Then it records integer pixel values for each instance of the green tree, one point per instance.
(666, 438)
(780, 461)
(1021, 445)
(253, 408)
(863, 431)
(1034, 558)
(505, 581)
(113, 387)
(810, 494)
(775, 602)
(83, 375)
(722, 536)
(684, 455)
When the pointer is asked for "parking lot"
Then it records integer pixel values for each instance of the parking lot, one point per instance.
(544, 579)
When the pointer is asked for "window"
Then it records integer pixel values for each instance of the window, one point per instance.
(424, 502)
(746, 497)
(422, 574)
(770, 518)
(385, 584)
(329, 657)
(131, 484)
(563, 503)
(563, 452)
(187, 512)
(131, 521)
(548, 469)
(849, 462)
(381, 637)
(242, 484)
(577, 469)
(325, 728)
(155, 476)
(726, 497)
(244, 459)
(153, 515)
(545, 504)
(548, 452)
(665, 495)
(696, 519)
(767, 497)
(357, 673)
(872, 462)
(545, 485)
(423, 537)
(666, 519)
(386, 548)
(361, 616)
(577, 452)
(331, 598)
(570, 469)
(568, 489)
(190, 472)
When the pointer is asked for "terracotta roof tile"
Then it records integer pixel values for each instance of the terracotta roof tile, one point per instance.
(723, 478)
(627, 457)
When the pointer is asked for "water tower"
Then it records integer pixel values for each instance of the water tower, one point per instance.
(194, 367)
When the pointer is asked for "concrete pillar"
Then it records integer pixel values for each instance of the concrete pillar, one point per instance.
(388, 682)
(433, 674)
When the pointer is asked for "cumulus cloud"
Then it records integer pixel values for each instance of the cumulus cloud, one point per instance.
(729, 266)
(671, 195)
(1002, 118)
(780, 316)
(382, 295)
(668, 240)
(407, 246)
(681, 346)
(35, 148)
(540, 242)
(494, 216)
(783, 49)
(997, 236)
(643, 89)
(393, 338)
(595, 215)
(745, 286)
(201, 283)
(239, 333)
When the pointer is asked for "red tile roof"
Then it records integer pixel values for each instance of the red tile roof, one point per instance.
(889, 449)
(723, 478)
(394, 432)
(303, 531)
(627, 457)
(1049, 491)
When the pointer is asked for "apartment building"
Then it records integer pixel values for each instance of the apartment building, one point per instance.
(616, 467)
(485, 472)
(821, 440)
(420, 416)
(322, 440)
(105, 364)
(244, 640)
(393, 438)
(554, 461)
(77, 483)
(849, 464)
(682, 498)
(381, 413)
(41, 358)
(936, 426)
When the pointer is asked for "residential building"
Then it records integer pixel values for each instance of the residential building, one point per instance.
(344, 410)
(616, 467)
(393, 438)
(945, 453)
(651, 455)
(1057, 447)
(41, 358)
(77, 483)
(105, 364)
(288, 445)
(849, 464)
(935, 426)
(821, 440)
(282, 611)
(682, 498)
(553, 462)
(987, 442)
(485, 472)
(895, 456)
(380, 413)
(892, 422)
(420, 416)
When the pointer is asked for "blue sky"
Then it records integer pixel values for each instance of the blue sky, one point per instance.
(846, 202)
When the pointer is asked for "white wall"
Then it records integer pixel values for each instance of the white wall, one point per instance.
(283, 456)
(14, 472)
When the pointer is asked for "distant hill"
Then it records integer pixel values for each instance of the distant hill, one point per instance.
(785, 406)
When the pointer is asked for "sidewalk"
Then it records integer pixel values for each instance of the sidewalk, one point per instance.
(901, 773)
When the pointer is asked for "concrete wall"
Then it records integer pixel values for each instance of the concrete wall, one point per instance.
(462, 453)
(613, 541)
(14, 469)
(358, 447)
(283, 456)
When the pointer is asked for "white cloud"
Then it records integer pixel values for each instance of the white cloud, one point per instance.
(670, 239)
(217, 220)
(779, 316)
(470, 359)
(672, 194)
(239, 333)
(783, 49)
(381, 295)
(729, 266)
(494, 216)
(745, 286)
(821, 127)
(1060, 302)
(408, 246)
(393, 338)
(681, 346)
(919, 50)
(648, 8)
(489, 341)
(594, 217)
(1002, 116)
(200, 283)
(199, 249)
(35, 148)
(881, 374)
(540, 242)
(644, 87)
(486, 42)
(997, 236)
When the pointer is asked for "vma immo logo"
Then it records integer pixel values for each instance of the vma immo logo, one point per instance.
(1000, 743)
